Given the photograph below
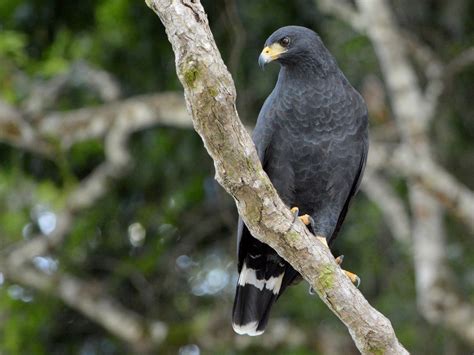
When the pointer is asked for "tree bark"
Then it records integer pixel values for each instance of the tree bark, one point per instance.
(210, 97)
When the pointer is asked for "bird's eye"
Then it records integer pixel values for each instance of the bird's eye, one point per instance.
(285, 41)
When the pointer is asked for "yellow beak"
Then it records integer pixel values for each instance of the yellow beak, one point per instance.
(270, 53)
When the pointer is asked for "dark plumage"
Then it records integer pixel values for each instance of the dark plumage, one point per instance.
(311, 137)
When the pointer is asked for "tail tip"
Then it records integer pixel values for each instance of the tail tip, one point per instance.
(247, 329)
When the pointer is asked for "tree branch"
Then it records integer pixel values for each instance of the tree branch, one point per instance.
(452, 194)
(71, 127)
(464, 59)
(210, 97)
(45, 94)
(438, 299)
(90, 300)
(16, 131)
(344, 11)
(381, 193)
(132, 115)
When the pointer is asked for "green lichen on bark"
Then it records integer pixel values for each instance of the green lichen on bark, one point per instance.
(213, 91)
(190, 75)
(292, 235)
(254, 212)
(376, 351)
(326, 277)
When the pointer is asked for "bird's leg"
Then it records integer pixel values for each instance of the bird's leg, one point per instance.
(353, 277)
(308, 220)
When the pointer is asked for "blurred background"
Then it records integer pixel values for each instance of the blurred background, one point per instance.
(114, 236)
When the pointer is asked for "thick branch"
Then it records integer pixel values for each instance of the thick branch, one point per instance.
(210, 96)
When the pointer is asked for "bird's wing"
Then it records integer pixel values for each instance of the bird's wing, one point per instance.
(263, 132)
(353, 190)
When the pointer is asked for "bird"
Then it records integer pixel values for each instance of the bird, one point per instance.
(311, 138)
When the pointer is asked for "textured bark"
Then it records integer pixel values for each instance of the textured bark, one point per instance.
(210, 97)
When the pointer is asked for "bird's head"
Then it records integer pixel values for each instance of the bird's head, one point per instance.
(291, 45)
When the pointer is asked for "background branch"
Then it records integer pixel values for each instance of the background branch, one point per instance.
(91, 300)
(381, 193)
(44, 95)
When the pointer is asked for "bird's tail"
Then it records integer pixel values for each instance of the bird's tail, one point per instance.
(256, 292)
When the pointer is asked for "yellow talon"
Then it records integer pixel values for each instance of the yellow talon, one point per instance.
(353, 277)
(306, 219)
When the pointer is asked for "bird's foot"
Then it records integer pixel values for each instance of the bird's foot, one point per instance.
(295, 211)
(353, 277)
(306, 219)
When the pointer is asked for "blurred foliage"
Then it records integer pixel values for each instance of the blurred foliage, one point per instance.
(182, 270)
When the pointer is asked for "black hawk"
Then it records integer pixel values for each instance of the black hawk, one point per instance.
(312, 140)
